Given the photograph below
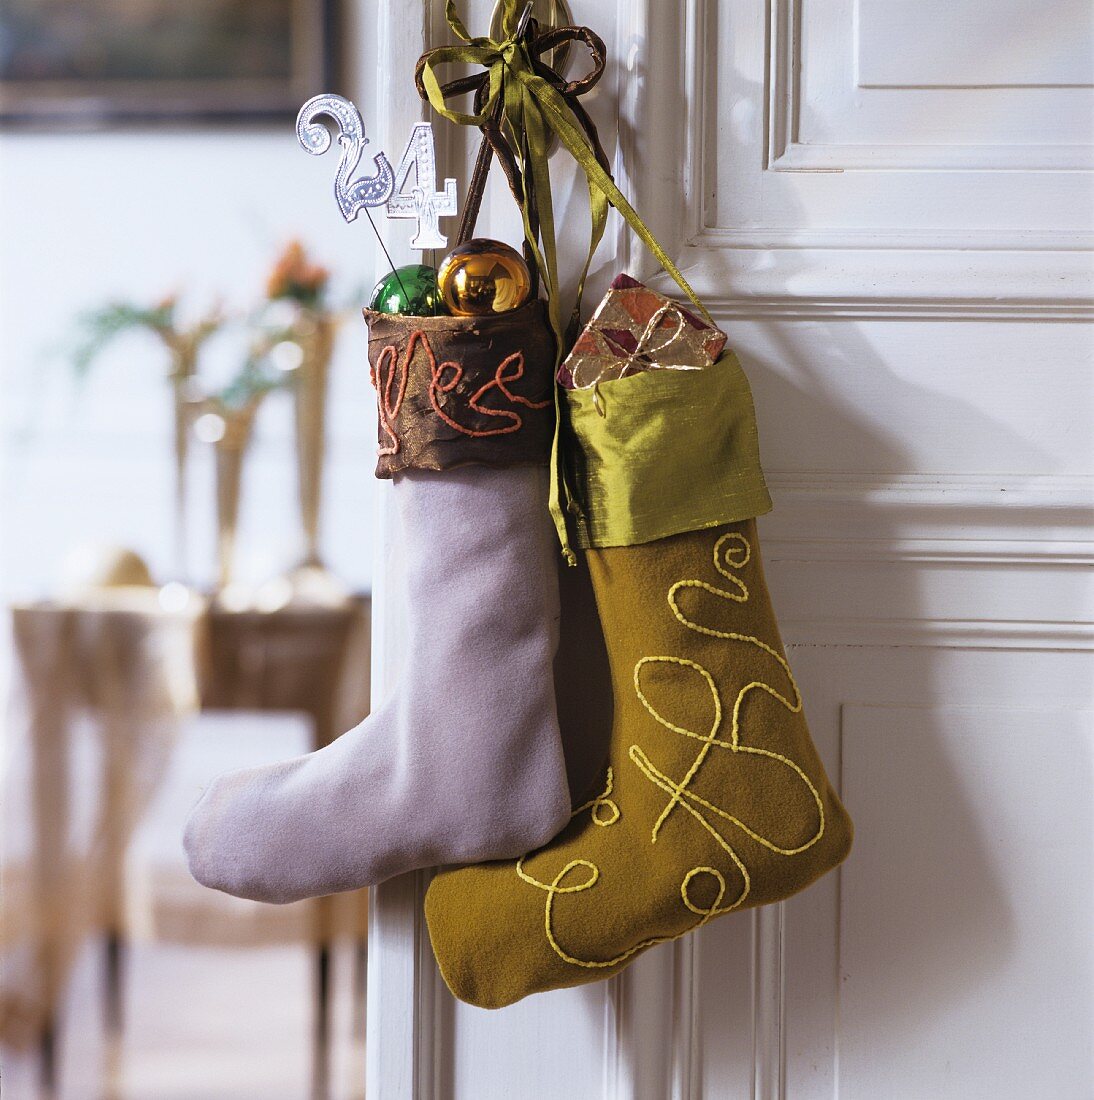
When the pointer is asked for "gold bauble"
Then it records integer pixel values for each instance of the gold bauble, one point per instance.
(483, 277)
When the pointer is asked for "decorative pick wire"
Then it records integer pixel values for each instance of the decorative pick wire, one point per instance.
(362, 193)
(390, 261)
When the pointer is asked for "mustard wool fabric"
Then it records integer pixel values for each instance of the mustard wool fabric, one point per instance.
(713, 799)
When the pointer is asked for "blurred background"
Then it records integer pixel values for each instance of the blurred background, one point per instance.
(186, 454)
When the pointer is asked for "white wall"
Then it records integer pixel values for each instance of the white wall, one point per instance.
(134, 215)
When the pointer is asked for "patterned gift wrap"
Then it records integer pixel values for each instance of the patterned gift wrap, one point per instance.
(636, 329)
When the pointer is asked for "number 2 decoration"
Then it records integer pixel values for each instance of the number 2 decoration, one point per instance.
(368, 190)
(386, 188)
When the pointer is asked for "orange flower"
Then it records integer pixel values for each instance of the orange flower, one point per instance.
(295, 277)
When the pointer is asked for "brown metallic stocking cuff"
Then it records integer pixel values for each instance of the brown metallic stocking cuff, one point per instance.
(452, 391)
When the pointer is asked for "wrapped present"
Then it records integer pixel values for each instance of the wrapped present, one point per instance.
(636, 329)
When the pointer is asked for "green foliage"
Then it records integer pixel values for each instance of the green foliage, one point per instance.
(255, 379)
(99, 328)
(296, 285)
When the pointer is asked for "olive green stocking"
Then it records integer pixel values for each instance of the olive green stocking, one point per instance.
(713, 800)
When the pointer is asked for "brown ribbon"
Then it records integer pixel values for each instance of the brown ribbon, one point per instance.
(496, 142)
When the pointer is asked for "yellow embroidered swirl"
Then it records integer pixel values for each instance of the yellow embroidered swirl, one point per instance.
(731, 552)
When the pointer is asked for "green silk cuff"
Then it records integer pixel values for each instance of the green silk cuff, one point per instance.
(674, 451)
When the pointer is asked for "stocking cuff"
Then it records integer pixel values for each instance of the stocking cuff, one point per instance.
(453, 391)
(663, 452)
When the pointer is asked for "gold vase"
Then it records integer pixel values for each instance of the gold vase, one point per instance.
(230, 450)
(183, 372)
(312, 379)
(184, 345)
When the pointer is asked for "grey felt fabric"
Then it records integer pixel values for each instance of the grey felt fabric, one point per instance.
(464, 762)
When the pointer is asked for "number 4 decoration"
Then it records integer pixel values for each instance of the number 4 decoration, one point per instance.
(422, 201)
(385, 188)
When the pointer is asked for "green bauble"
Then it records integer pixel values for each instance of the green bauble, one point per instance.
(410, 290)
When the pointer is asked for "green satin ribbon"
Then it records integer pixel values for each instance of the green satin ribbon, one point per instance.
(532, 107)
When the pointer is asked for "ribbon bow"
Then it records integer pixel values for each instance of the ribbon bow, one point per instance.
(534, 102)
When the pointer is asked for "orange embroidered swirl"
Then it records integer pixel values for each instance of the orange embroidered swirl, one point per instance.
(391, 372)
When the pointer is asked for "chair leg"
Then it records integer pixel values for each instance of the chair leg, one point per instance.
(322, 1030)
(360, 985)
(113, 983)
(47, 1057)
(323, 991)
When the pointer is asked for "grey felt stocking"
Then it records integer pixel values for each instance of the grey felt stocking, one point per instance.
(464, 763)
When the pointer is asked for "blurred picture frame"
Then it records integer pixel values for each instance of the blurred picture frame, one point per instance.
(83, 64)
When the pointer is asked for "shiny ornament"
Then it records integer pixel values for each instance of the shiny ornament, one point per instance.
(422, 203)
(352, 196)
(411, 291)
(483, 277)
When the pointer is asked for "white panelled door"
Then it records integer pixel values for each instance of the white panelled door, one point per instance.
(887, 204)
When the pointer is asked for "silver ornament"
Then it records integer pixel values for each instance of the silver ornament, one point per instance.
(422, 202)
(352, 197)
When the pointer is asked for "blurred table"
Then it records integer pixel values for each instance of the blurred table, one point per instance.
(119, 674)
(296, 659)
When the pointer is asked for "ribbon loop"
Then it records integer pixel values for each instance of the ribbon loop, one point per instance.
(550, 40)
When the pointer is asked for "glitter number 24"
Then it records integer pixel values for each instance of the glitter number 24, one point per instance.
(421, 202)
